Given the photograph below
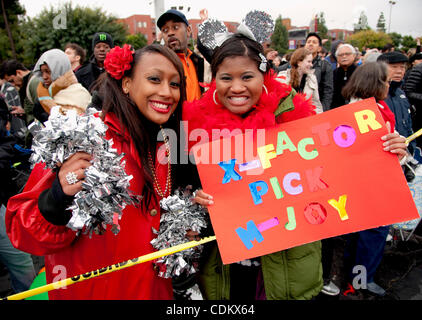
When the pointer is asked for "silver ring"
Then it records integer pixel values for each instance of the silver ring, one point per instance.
(71, 178)
(195, 192)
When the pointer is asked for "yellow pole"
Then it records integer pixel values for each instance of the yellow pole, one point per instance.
(414, 136)
(109, 269)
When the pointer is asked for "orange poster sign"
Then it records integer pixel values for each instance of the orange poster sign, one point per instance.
(309, 179)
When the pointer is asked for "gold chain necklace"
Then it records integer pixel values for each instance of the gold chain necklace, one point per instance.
(151, 164)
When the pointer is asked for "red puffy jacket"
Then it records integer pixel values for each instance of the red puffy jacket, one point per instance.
(67, 256)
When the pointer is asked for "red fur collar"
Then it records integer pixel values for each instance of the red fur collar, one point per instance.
(205, 114)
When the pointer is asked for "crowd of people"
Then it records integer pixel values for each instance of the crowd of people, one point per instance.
(139, 94)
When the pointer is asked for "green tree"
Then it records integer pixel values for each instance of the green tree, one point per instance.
(407, 43)
(381, 23)
(137, 41)
(369, 39)
(396, 38)
(54, 27)
(10, 44)
(323, 30)
(280, 37)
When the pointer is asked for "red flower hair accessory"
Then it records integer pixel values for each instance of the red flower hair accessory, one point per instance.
(118, 60)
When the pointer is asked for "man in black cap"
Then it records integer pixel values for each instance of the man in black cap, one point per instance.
(396, 99)
(176, 30)
(102, 43)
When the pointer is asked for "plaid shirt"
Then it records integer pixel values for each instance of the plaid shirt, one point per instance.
(10, 95)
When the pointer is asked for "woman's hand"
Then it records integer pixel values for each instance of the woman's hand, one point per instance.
(203, 14)
(395, 143)
(203, 198)
(77, 164)
(17, 111)
(192, 235)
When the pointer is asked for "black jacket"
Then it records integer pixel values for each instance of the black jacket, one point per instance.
(324, 75)
(10, 152)
(400, 106)
(413, 89)
(340, 78)
(89, 73)
(199, 67)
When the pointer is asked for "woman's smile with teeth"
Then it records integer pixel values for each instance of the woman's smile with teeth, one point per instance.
(161, 106)
(238, 100)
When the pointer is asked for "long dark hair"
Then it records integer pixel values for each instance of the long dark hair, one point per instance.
(238, 45)
(142, 131)
(368, 80)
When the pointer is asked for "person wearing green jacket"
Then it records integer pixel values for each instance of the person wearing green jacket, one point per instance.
(245, 94)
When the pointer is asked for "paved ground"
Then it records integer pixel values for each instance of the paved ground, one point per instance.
(400, 272)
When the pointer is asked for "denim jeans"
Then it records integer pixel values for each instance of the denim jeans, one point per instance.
(365, 248)
(19, 263)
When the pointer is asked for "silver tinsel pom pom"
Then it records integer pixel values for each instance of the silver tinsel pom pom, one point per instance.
(261, 25)
(105, 190)
(209, 31)
(180, 216)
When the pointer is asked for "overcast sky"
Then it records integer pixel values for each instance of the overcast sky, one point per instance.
(340, 14)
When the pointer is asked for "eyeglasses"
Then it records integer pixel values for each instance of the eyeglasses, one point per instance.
(346, 54)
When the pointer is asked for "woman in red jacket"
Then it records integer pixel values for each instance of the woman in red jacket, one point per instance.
(142, 91)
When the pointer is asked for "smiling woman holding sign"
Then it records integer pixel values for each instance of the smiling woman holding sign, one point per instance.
(245, 95)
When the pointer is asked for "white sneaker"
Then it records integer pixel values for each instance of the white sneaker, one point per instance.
(330, 289)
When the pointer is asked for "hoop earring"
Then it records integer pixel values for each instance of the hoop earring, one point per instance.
(265, 88)
(213, 97)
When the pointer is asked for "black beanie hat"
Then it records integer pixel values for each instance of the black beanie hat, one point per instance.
(102, 37)
(416, 56)
(393, 57)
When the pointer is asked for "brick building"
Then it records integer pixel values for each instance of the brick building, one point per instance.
(339, 34)
(141, 23)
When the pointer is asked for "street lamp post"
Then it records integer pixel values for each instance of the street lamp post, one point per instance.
(158, 10)
(392, 3)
